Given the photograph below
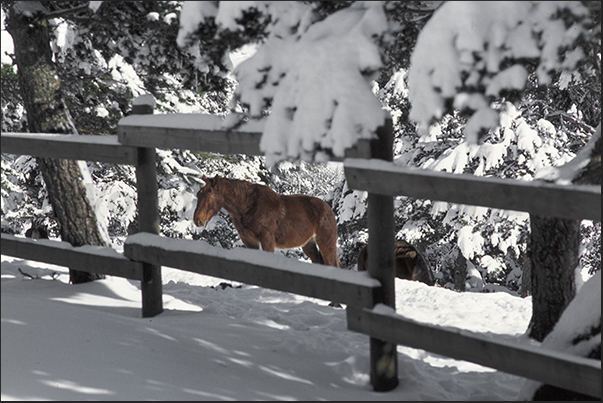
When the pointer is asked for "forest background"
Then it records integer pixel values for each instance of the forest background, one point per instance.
(123, 50)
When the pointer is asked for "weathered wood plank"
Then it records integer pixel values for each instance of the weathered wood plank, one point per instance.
(536, 197)
(195, 132)
(68, 146)
(201, 132)
(148, 218)
(95, 259)
(563, 370)
(383, 355)
(256, 267)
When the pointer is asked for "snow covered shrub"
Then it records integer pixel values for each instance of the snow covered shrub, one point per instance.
(492, 241)
(24, 195)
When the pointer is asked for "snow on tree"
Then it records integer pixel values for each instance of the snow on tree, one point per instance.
(469, 69)
(575, 333)
(104, 64)
(119, 61)
(518, 148)
(314, 75)
(472, 70)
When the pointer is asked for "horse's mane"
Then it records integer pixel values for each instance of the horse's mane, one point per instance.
(243, 189)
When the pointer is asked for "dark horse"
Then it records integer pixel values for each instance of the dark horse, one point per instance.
(38, 229)
(410, 264)
(265, 218)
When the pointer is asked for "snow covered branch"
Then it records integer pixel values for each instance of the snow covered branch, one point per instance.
(468, 69)
(314, 75)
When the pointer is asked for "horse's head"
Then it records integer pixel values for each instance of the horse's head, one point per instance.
(410, 264)
(209, 201)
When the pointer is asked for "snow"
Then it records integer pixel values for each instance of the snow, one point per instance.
(565, 173)
(94, 5)
(465, 45)
(243, 53)
(353, 206)
(7, 45)
(470, 243)
(120, 70)
(527, 138)
(153, 16)
(228, 344)
(583, 312)
(193, 13)
(191, 121)
(578, 318)
(318, 79)
(255, 343)
(144, 99)
(246, 256)
(71, 138)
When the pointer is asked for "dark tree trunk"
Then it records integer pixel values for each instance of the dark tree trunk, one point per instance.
(554, 245)
(526, 273)
(554, 254)
(47, 113)
(589, 175)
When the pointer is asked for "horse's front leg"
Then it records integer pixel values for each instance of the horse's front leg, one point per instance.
(268, 243)
(250, 243)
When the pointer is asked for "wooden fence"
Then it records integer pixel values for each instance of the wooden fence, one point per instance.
(369, 299)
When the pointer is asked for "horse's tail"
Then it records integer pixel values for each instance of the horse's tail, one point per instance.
(321, 258)
(362, 257)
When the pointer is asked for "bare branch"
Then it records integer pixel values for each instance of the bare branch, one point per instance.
(27, 274)
(67, 11)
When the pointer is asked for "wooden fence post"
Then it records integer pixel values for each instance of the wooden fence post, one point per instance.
(381, 227)
(148, 217)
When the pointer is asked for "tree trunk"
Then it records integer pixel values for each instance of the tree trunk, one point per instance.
(554, 247)
(47, 113)
(526, 272)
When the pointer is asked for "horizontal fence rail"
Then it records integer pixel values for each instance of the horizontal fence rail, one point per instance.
(535, 197)
(195, 132)
(70, 146)
(556, 368)
(199, 132)
(255, 267)
(88, 258)
(138, 135)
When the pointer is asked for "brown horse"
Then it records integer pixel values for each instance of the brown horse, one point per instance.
(266, 219)
(410, 264)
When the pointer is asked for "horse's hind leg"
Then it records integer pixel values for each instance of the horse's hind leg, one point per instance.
(328, 251)
(326, 237)
(311, 250)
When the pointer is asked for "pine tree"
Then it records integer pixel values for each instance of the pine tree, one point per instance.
(47, 113)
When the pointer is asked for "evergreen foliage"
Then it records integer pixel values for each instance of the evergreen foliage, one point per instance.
(124, 49)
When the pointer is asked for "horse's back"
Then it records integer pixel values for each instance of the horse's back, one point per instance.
(311, 208)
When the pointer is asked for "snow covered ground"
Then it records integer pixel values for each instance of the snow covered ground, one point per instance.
(89, 342)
